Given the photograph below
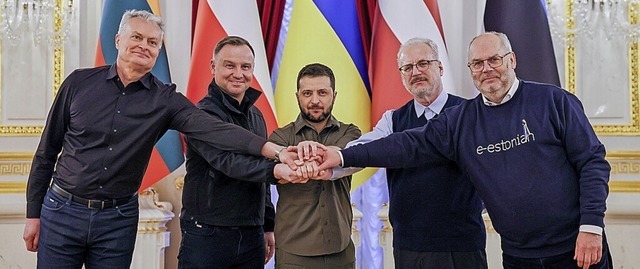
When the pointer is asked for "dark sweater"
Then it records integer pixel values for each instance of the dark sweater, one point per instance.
(435, 208)
(535, 161)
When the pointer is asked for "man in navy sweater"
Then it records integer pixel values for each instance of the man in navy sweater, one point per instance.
(530, 152)
(434, 210)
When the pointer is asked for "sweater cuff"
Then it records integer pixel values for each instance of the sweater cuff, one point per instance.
(592, 219)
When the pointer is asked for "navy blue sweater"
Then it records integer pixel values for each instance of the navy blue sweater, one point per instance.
(535, 161)
(433, 208)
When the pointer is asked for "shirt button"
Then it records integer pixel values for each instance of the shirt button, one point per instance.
(100, 187)
(105, 168)
(114, 130)
(110, 149)
(123, 93)
(118, 111)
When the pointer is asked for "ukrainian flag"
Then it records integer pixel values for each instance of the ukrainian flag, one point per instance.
(167, 154)
(327, 32)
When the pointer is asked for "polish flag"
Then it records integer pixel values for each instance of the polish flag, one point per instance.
(215, 21)
(393, 25)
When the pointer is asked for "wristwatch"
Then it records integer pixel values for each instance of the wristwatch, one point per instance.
(277, 154)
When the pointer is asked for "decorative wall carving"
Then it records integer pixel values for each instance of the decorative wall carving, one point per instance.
(633, 128)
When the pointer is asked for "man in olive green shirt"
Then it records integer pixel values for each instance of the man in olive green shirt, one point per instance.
(313, 220)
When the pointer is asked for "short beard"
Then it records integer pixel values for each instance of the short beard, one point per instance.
(307, 116)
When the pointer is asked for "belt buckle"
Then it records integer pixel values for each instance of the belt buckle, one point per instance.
(90, 202)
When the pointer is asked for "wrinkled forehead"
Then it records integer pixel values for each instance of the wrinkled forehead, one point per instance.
(416, 52)
(143, 27)
(486, 46)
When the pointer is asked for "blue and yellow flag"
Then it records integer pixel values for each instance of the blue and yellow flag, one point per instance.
(327, 32)
(168, 153)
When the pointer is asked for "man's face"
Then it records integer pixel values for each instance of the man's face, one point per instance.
(315, 98)
(232, 69)
(424, 82)
(492, 82)
(139, 44)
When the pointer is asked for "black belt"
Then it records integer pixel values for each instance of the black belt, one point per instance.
(90, 203)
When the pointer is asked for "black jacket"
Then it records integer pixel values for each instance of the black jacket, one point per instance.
(224, 188)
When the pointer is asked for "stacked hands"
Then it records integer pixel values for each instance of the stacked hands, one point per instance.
(307, 160)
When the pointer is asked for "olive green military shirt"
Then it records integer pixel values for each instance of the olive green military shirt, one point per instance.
(314, 218)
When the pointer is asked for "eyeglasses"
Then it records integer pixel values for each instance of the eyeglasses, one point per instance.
(422, 65)
(494, 62)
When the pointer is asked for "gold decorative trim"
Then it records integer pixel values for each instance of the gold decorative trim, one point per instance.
(624, 186)
(625, 155)
(16, 156)
(618, 167)
(58, 50)
(15, 163)
(58, 76)
(15, 168)
(13, 187)
(21, 130)
(633, 128)
(570, 49)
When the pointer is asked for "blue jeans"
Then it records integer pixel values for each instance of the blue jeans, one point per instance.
(72, 234)
(562, 261)
(206, 246)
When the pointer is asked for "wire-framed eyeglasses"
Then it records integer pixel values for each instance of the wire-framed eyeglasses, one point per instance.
(422, 65)
(494, 62)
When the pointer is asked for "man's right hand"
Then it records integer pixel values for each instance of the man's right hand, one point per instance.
(286, 175)
(31, 234)
(330, 159)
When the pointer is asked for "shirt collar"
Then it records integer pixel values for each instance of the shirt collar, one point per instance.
(507, 97)
(301, 123)
(436, 106)
(146, 80)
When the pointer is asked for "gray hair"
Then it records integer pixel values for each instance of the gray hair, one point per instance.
(143, 14)
(418, 40)
(505, 40)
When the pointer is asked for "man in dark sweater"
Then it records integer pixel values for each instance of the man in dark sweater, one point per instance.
(434, 210)
(530, 152)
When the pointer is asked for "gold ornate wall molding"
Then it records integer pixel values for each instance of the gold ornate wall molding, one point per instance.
(633, 128)
(12, 164)
(58, 77)
(624, 162)
(15, 164)
(13, 187)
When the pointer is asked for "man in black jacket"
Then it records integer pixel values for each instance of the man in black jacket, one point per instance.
(227, 216)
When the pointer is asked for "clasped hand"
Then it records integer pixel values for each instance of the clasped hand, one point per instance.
(300, 163)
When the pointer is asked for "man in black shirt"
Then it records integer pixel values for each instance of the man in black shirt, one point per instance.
(99, 136)
(225, 210)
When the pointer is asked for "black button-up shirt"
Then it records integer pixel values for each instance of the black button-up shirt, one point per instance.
(106, 133)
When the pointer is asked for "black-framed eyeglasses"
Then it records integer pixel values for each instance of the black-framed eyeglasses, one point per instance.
(494, 62)
(422, 65)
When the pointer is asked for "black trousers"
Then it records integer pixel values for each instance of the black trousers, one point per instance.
(405, 259)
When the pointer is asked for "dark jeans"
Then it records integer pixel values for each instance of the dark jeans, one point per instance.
(206, 246)
(405, 259)
(72, 234)
(562, 261)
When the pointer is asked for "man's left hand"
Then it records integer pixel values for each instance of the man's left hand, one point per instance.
(588, 249)
(270, 246)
